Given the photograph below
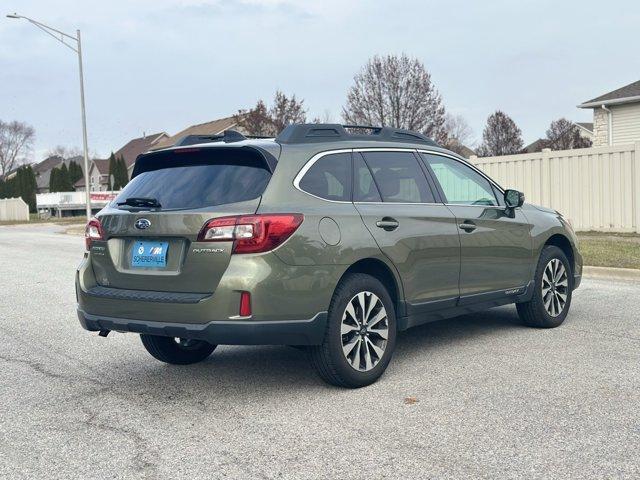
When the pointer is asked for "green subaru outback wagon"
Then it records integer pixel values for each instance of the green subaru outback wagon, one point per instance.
(330, 237)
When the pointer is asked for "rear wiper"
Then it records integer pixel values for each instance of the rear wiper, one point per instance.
(141, 202)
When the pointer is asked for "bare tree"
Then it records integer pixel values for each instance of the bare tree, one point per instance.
(501, 136)
(286, 111)
(326, 117)
(458, 131)
(16, 141)
(396, 91)
(63, 152)
(563, 134)
(261, 120)
(255, 121)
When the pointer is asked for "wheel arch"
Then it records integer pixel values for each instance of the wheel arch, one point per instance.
(382, 271)
(563, 243)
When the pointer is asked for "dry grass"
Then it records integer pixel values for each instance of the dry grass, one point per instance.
(34, 219)
(610, 250)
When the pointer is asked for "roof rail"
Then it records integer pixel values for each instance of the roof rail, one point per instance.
(228, 136)
(328, 132)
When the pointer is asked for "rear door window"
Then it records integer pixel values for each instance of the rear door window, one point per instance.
(329, 178)
(198, 180)
(399, 177)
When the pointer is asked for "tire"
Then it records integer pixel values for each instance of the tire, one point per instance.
(545, 309)
(176, 351)
(367, 351)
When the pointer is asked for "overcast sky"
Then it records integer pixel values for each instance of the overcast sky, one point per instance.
(161, 65)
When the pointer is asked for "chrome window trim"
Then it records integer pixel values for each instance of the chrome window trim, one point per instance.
(398, 203)
(384, 149)
(499, 207)
(305, 168)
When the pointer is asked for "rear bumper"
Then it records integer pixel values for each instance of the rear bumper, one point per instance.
(240, 332)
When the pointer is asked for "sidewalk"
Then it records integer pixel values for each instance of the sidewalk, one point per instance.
(628, 274)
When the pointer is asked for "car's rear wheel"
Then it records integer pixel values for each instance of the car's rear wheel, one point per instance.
(177, 351)
(553, 288)
(360, 336)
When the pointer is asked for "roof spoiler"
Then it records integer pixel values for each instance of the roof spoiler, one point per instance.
(228, 136)
(328, 132)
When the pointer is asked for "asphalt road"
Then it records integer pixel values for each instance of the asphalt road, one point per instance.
(494, 399)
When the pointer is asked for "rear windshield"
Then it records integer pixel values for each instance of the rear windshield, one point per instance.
(196, 180)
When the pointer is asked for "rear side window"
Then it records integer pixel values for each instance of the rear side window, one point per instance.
(399, 177)
(198, 179)
(329, 178)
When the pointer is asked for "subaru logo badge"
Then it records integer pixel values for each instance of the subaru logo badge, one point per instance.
(142, 224)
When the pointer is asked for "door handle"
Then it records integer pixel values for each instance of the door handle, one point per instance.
(388, 224)
(468, 226)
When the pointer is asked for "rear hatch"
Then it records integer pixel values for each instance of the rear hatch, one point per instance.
(150, 231)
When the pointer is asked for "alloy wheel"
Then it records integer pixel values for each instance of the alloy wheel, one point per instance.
(555, 287)
(364, 331)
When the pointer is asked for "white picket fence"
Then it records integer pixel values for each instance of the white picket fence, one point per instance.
(596, 188)
(13, 209)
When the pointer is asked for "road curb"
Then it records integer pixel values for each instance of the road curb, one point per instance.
(629, 274)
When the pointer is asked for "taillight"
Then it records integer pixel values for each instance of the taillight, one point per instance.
(93, 231)
(251, 233)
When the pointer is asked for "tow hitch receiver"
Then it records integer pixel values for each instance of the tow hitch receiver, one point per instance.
(104, 333)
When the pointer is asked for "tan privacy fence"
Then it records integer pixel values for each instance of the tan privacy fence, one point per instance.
(596, 188)
(13, 209)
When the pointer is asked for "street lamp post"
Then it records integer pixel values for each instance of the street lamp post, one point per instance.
(64, 38)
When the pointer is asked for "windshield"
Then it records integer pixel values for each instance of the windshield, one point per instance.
(199, 185)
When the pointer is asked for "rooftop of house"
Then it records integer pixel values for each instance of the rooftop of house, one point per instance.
(47, 164)
(466, 152)
(536, 146)
(586, 125)
(102, 165)
(627, 94)
(135, 147)
(213, 127)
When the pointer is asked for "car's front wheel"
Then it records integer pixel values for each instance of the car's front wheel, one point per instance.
(553, 287)
(360, 336)
(177, 351)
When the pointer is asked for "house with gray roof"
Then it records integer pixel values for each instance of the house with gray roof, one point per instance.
(214, 127)
(99, 168)
(42, 170)
(137, 146)
(616, 116)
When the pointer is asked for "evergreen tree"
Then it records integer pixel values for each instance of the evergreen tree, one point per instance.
(120, 176)
(26, 186)
(23, 185)
(112, 172)
(75, 172)
(124, 172)
(65, 181)
(53, 180)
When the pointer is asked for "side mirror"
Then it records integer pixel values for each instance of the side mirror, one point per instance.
(513, 198)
